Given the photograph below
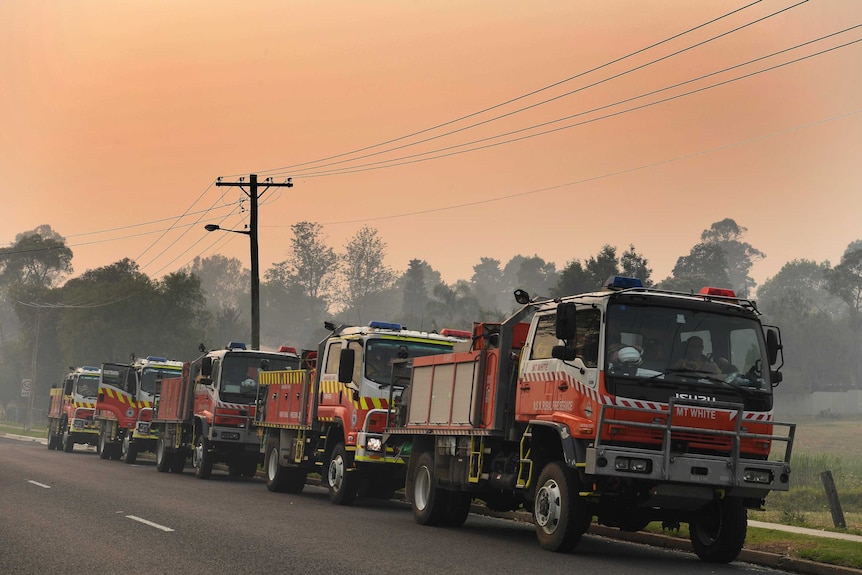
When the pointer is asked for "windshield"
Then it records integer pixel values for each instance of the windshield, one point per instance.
(150, 375)
(380, 354)
(88, 385)
(239, 373)
(664, 344)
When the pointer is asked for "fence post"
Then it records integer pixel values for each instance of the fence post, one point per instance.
(832, 497)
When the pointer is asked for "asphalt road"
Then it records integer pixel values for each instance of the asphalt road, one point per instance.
(75, 513)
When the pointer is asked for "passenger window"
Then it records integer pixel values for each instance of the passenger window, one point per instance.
(545, 337)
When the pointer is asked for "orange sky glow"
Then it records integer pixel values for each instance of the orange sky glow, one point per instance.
(119, 115)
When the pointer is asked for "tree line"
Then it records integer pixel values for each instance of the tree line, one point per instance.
(49, 323)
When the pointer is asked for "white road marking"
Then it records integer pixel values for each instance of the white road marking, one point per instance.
(37, 484)
(150, 523)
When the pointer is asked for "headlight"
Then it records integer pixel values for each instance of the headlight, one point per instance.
(632, 464)
(374, 444)
(757, 475)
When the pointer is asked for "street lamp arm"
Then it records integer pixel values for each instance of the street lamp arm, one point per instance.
(214, 227)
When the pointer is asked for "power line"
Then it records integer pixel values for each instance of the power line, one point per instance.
(518, 98)
(410, 159)
(602, 176)
(300, 173)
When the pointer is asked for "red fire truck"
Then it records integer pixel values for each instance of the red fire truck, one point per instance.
(330, 416)
(70, 415)
(208, 412)
(628, 405)
(124, 406)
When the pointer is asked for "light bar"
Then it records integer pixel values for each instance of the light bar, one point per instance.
(385, 325)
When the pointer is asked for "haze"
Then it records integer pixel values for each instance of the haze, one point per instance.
(118, 116)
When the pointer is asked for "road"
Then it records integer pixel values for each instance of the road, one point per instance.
(76, 513)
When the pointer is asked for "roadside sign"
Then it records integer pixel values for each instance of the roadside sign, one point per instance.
(25, 387)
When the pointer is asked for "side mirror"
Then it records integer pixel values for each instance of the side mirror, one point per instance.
(773, 345)
(345, 365)
(207, 366)
(563, 352)
(566, 325)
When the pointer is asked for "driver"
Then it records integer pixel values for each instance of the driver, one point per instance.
(694, 358)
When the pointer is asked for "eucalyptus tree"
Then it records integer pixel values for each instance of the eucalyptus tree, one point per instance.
(364, 272)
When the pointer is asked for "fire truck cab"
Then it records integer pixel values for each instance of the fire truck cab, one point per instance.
(628, 405)
(124, 406)
(70, 414)
(330, 417)
(208, 412)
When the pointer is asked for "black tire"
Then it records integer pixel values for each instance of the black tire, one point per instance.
(163, 456)
(178, 461)
(102, 445)
(428, 501)
(202, 458)
(67, 442)
(457, 509)
(129, 451)
(558, 512)
(342, 481)
(52, 438)
(280, 479)
(718, 531)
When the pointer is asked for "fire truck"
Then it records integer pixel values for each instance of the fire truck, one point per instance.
(70, 415)
(603, 405)
(124, 406)
(329, 417)
(208, 412)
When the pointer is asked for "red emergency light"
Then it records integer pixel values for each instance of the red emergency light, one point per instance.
(287, 349)
(456, 333)
(722, 292)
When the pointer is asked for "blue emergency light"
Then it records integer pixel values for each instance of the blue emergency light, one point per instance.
(622, 282)
(236, 345)
(385, 325)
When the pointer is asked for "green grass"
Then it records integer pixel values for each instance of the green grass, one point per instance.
(18, 429)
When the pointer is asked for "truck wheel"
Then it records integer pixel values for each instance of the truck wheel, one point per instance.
(457, 509)
(558, 511)
(163, 458)
(429, 502)
(68, 443)
(278, 478)
(202, 458)
(130, 450)
(52, 439)
(178, 461)
(342, 482)
(718, 531)
(103, 448)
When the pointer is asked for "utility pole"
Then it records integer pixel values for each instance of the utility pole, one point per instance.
(253, 195)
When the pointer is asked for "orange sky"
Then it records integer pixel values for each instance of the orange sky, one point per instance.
(119, 115)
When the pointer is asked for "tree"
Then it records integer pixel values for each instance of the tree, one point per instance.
(739, 255)
(487, 283)
(223, 280)
(815, 339)
(364, 270)
(845, 282)
(603, 266)
(415, 293)
(532, 274)
(312, 265)
(116, 310)
(38, 257)
(704, 266)
(635, 265)
(453, 307)
(574, 279)
(299, 289)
